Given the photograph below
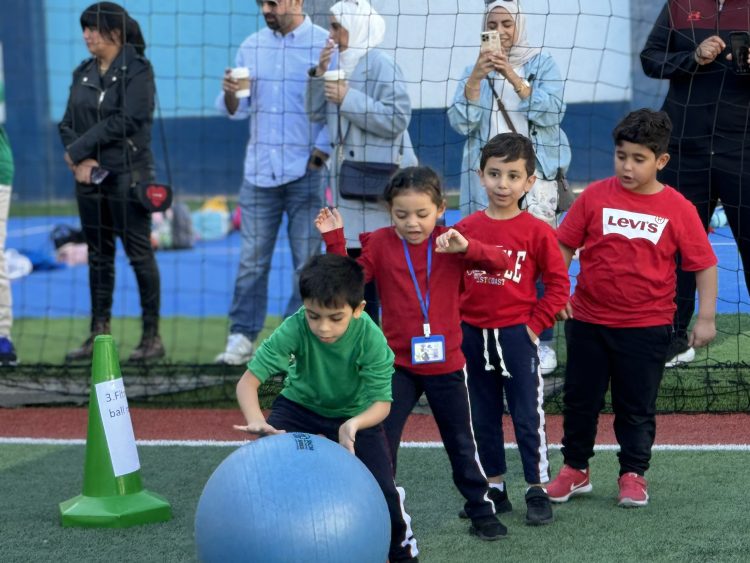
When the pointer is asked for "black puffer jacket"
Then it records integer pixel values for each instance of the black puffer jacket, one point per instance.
(108, 118)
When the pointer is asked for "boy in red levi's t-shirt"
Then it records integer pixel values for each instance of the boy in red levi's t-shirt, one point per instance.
(502, 318)
(630, 228)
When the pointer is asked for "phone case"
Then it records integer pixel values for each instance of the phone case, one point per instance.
(490, 41)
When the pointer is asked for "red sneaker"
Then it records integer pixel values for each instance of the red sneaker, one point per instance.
(569, 482)
(633, 490)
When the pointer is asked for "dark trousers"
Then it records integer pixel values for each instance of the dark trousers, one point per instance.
(504, 363)
(704, 178)
(108, 211)
(449, 401)
(631, 361)
(371, 448)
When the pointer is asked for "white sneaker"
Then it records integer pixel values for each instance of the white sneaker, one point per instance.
(684, 357)
(238, 352)
(547, 359)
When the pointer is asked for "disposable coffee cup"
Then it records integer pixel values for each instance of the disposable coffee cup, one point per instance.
(334, 75)
(242, 76)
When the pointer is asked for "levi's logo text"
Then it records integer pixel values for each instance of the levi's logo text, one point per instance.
(633, 225)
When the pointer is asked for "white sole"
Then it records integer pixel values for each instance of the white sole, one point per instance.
(630, 503)
(579, 491)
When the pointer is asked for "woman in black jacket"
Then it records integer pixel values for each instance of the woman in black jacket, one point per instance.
(106, 131)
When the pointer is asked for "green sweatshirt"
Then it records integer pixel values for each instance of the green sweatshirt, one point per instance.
(338, 380)
(6, 159)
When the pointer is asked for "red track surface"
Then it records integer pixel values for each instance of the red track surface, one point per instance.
(209, 424)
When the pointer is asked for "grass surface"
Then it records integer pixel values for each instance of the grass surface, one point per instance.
(683, 522)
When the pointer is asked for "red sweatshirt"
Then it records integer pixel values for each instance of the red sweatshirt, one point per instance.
(509, 298)
(383, 260)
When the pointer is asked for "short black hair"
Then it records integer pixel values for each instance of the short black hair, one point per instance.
(509, 147)
(332, 281)
(646, 127)
(107, 17)
(420, 179)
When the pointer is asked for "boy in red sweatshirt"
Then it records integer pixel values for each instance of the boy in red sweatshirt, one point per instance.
(502, 319)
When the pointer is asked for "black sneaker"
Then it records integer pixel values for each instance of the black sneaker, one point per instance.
(500, 498)
(679, 352)
(488, 528)
(538, 507)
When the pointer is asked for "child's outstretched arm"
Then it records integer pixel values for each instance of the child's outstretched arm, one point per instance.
(331, 226)
(451, 242)
(247, 397)
(375, 414)
(704, 330)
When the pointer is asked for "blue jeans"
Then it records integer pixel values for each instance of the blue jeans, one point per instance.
(261, 211)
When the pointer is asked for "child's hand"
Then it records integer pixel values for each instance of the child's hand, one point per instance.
(329, 220)
(451, 242)
(566, 313)
(259, 428)
(704, 331)
(347, 434)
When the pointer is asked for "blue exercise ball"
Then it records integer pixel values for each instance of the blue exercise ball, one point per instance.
(292, 498)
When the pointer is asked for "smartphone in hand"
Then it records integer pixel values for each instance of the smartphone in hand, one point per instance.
(98, 174)
(490, 41)
(739, 42)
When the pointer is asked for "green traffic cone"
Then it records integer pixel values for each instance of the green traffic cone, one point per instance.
(113, 495)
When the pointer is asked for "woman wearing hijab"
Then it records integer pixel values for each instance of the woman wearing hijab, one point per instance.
(518, 89)
(528, 84)
(367, 113)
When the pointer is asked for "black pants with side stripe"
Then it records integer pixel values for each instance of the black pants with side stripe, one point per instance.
(371, 448)
(631, 361)
(503, 363)
(449, 401)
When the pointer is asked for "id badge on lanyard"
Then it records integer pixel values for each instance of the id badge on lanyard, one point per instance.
(430, 348)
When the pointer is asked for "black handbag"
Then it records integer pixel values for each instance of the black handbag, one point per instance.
(365, 181)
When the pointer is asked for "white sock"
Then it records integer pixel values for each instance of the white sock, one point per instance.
(499, 486)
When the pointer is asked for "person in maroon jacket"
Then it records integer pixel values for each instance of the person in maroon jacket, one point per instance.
(417, 268)
(707, 102)
(502, 319)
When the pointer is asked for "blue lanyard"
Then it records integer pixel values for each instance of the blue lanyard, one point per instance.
(424, 303)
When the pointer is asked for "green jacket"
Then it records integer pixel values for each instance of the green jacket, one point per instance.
(6, 159)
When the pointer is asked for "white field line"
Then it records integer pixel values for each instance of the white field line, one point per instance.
(427, 445)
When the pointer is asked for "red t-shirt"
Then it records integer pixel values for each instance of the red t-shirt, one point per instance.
(383, 260)
(509, 298)
(628, 245)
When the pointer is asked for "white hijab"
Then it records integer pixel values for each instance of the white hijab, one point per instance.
(365, 26)
(521, 52)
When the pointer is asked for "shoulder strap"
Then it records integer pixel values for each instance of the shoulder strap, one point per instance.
(501, 106)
